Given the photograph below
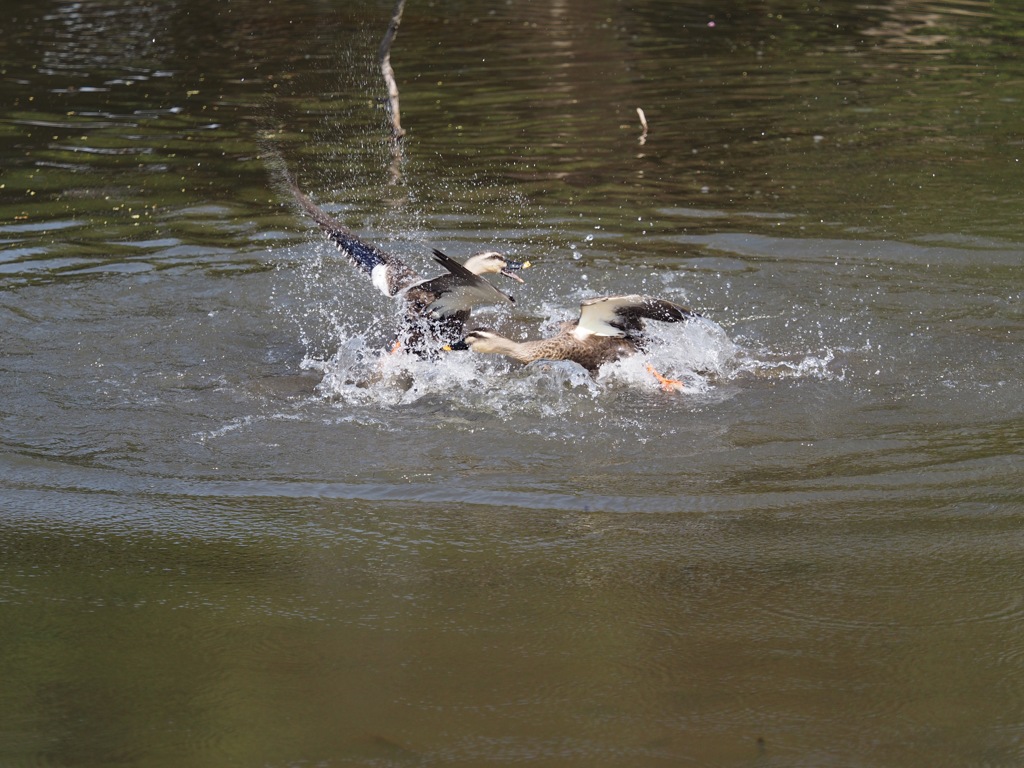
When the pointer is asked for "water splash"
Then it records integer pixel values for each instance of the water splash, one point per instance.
(346, 337)
(699, 355)
(767, 365)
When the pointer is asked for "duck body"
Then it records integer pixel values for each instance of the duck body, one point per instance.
(590, 353)
(608, 328)
(436, 309)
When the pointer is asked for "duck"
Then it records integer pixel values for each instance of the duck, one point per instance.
(437, 309)
(608, 328)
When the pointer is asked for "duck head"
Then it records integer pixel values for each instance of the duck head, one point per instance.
(492, 262)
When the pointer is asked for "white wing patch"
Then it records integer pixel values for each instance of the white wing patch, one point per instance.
(597, 315)
(379, 276)
(464, 297)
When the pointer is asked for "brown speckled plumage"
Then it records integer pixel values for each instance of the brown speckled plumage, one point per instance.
(608, 328)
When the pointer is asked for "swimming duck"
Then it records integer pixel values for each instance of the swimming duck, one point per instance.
(608, 328)
(436, 309)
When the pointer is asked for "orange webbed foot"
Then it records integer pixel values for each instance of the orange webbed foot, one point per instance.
(667, 384)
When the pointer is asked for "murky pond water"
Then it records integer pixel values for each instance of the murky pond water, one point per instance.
(235, 532)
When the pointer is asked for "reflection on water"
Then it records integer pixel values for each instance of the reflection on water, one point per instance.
(236, 532)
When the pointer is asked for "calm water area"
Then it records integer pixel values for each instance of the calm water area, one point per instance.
(235, 532)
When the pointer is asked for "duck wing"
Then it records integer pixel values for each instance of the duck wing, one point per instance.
(624, 315)
(389, 274)
(458, 291)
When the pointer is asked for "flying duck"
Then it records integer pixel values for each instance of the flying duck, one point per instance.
(436, 309)
(608, 328)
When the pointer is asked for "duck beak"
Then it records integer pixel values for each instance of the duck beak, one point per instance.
(458, 346)
(511, 267)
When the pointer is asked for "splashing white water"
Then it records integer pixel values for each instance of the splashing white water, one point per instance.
(699, 355)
